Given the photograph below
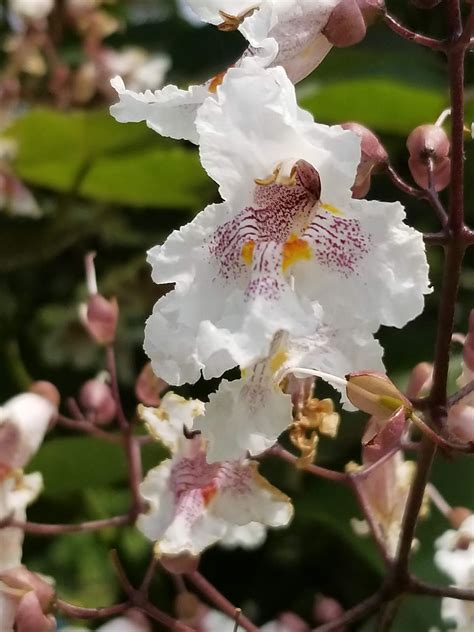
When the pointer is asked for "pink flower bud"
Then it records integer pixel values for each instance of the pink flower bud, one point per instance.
(291, 622)
(373, 157)
(148, 387)
(30, 617)
(46, 390)
(326, 609)
(420, 379)
(429, 143)
(179, 564)
(101, 316)
(346, 25)
(461, 422)
(98, 401)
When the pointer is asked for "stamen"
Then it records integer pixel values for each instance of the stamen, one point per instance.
(216, 81)
(325, 376)
(232, 22)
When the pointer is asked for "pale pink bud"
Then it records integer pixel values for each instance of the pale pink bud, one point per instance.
(373, 157)
(46, 390)
(346, 25)
(291, 622)
(101, 318)
(429, 143)
(98, 401)
(375, 394)
(458, 515)
(179, 564)
(148, 387)
(30, 617)
(326, 609)
(420, 379)
(461, 422)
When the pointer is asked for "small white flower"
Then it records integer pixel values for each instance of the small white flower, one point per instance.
(247, 415)
(455, 557)
(193, 504)
(24, 420)
(287, 248)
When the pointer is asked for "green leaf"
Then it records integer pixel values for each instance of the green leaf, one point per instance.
(382, 104)
(164, 178)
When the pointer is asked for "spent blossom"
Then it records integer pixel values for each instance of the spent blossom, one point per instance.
(193, 504)
(288, 248)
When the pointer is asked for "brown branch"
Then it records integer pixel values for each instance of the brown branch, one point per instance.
(412, 36)
(208, 590)
(322, 472)
(420, 587)
(38, 528)
(461, 394)
(89, 428)
(77, 612)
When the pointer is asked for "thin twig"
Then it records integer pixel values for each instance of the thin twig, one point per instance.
(412, 36)
(89, 428)
(322, 472)
(77, 612)
(461, 394)
(39, 528)
(420, 587)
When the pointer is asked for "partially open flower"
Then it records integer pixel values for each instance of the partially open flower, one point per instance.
(99, 315)
(429, 148)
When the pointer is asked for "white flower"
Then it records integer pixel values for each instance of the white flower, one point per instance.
(32, 9)
(193, 504)
(288, 246)
(140, 70)
(455, 557)
(283, 33)
(24, 420)
(16, 492)
(247, 415)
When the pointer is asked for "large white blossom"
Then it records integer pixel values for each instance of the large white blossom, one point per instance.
(248, 414)
(288, 247)
(455, 557)
(283, 33)
(194, 504)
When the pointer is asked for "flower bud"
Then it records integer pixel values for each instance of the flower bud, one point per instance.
(291, 622)
(98, 401)
(429, 143)
(148, 387)
(30, 617)
(461, 422)
(373, 157)
(100, 319)
(46, 390)
(326, 609)
(375, 394)
(458, 515)
(179, 564)
(420, 379)
(346, 25)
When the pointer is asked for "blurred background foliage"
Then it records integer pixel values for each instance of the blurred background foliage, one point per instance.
(120, 189)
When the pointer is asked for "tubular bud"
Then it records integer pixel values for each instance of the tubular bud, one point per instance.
(101, 316)
(420, 379)
(346, 25)
(375, 394)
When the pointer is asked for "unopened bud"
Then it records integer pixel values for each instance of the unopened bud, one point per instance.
(291, 622)
(458, 515)
(46, 390)
(461, 422)
(375, 394)
(420, 379)
(30, 617)
(346, 25)
(148, 387)
(429, 144)
(100, 318)
(326, 609)
(98, 401)
(373, 157)
(179, 564)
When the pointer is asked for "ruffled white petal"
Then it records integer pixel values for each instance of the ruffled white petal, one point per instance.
(169, 112)
(249, 536)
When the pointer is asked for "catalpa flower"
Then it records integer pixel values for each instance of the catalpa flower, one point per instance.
(283, 33)
(248, 415)
(289, 246)
(455, 557)
(194, 504)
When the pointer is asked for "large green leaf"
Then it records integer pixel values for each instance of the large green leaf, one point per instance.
(386, 105)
